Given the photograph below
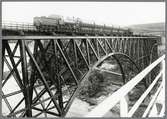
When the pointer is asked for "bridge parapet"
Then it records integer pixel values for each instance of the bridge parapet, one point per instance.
(120, 95)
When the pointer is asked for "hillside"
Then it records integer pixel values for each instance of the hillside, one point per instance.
(151, 28)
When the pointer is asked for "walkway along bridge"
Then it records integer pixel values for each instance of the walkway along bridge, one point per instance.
(57, 63)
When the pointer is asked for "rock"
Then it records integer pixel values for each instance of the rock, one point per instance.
(108, 66)
(116, 109)
(101, 98)
(136, 92)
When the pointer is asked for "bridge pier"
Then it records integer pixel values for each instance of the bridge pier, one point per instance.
(65, 61)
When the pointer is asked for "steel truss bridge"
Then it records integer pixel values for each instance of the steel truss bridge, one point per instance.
(51, 65)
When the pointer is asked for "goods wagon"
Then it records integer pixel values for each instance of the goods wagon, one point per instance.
(75, 25)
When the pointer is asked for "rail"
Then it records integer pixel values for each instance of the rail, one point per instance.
(120, 95)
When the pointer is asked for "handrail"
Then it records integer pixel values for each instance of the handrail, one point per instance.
(119, 95)
(69, 37)
(139, 101)
(18, 26)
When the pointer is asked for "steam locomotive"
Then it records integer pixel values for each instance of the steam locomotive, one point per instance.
(57, 23)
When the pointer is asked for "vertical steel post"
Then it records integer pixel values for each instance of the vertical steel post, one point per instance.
(87, 51)
(142, 54)
(58, 80)
(26, 81)
(123, 107)
(75, 53)
(138, 50)
(130, 47)
(33, 71)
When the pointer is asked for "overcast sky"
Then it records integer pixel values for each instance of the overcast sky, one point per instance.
(112, 13)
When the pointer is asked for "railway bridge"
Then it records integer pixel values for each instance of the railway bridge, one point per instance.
(51, 64)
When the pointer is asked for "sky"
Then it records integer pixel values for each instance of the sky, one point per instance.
(109, 13)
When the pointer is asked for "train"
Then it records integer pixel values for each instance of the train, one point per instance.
(57, 23)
